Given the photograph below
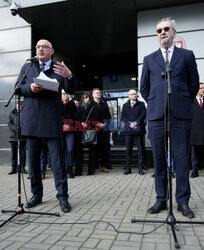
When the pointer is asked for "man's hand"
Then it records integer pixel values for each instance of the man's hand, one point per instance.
(133, 125)
(61, 69)
(35, 88)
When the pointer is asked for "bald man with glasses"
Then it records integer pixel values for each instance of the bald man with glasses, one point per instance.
(41, 121)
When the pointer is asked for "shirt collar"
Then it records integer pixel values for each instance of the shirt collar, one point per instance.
(47, 64)
(171, 49)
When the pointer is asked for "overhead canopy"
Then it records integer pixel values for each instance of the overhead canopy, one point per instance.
(101, 31)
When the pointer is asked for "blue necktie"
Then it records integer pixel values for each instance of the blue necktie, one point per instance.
(42, 66)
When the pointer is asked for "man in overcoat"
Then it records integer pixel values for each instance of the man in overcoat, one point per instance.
(41, 120)
(134, 115)
(197, 132)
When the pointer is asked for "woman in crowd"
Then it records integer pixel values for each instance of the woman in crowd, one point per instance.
(68, 113)
(87, 105)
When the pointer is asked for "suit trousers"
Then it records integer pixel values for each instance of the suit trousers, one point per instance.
(14, 154)
(180, 145)
(129, 140)
(34, 145)
(196, 157)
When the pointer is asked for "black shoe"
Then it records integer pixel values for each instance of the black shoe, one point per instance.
(153, 175)
(90, 173)
(186, 211)
(77, 172)
(65, 207)
(173, 175)
(158, 206)
(109, 167)
(70, 172)
(141, 172)
(13, 171)
(194, 175)
(33, 202)
(24, 171)
(127, 171)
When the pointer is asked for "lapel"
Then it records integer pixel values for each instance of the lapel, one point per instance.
(175, 57)
(159, 58)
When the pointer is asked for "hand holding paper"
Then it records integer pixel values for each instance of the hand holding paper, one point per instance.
(46, 82)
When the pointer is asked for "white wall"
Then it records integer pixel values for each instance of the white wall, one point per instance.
(189, 25)
(15, 48)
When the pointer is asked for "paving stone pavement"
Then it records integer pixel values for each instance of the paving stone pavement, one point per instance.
(110, 198)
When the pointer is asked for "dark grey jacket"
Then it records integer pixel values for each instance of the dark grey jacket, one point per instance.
(41, 114)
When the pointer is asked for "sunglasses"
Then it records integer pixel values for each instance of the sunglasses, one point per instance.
(159, 31)
(86, 96)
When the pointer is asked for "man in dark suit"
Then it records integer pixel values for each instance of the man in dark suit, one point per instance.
(184, 85)
(41, 120)
(103, 137)
(133, 116)
(197, 132)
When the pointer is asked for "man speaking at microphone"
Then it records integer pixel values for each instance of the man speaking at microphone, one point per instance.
(184, 85)
(41, 119)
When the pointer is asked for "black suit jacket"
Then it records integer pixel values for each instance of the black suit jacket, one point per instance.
(197, 132)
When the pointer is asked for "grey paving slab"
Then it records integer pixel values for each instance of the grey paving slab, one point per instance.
(98, 200)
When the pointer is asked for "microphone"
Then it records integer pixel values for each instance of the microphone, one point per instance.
(166, 41)
(33, 59)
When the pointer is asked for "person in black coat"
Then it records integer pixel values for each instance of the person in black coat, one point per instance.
(103, 135)
(13, 140)
(197, 131)
(85, 108)
(133, 115)
(69, 110)
(41, 119)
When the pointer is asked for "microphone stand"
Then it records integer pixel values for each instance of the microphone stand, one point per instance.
(170, 220)
(19, 209)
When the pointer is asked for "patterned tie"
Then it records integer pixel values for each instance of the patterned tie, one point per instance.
(42, 66)
(201, 103)
(165, 56)
(132, 105)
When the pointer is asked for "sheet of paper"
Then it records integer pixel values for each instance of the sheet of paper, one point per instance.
(46, 82)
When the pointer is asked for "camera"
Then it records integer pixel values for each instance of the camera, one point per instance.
(14, 8)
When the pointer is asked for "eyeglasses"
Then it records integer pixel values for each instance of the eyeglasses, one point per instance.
(42, 46)
(86, 96)
(159, 31)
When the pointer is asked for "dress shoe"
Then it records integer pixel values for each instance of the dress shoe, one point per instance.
(127, 171)
(173, 175)
(13, 171)
(145, 167)
(24, 171)
(90, 173)
(141, 172)
(186, 211)
(194, 175)
(42, 176)
(158, 206)
(153, 175)
(33, 202)
(109, 167)
(104, 169)
(65, 207)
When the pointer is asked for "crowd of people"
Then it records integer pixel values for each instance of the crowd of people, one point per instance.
(53, 124)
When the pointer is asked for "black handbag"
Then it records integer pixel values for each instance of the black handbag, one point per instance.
(89, 137)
